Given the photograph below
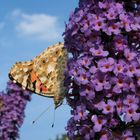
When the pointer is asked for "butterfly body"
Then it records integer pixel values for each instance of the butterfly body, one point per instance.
(44, 75)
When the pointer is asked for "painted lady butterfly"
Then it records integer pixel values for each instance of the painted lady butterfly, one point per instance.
(43, 75)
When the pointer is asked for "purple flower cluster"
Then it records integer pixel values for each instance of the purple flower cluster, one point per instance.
(12, 106)
(103, 72)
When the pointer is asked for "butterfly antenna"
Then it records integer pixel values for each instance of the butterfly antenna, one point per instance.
(41, 114)
(53, 118)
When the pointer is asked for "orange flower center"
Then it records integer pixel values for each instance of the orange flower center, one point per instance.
(107, 66)
(130, 111)
(98, 52)
(81, 114)
(83, 77)
(119, 68)
(119, 105)
(120, 41)
(101, 81)
(108, 107)
(111, 15)
(99, 121)
(85, 61)
(120, 82)
(131, 69)
(99, 23)
(130, 101)
(114, 27)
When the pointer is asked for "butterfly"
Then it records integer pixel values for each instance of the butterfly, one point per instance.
(44, 75)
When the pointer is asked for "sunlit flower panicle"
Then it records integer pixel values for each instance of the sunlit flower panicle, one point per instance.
(103, 74)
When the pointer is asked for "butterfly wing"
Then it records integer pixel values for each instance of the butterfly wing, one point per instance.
(49, 67)
(43, 75)
(20, 73)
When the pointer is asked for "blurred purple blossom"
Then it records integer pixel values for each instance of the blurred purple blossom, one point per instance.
(120, 43)
(84, 61)
(100, 81)
(131, 113)
(106, 64)
(98, 123)
(125, 21)
(130, 100)
(132, 69)
(97, 23)
(120, 67)
(83, 77)
(120, 83)
(12, 111)
(93, 69)
(106, 108)
(129, 54)
(80, 113)
(128, 135)
(111, 14)
(98, 51)
(87, 92)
